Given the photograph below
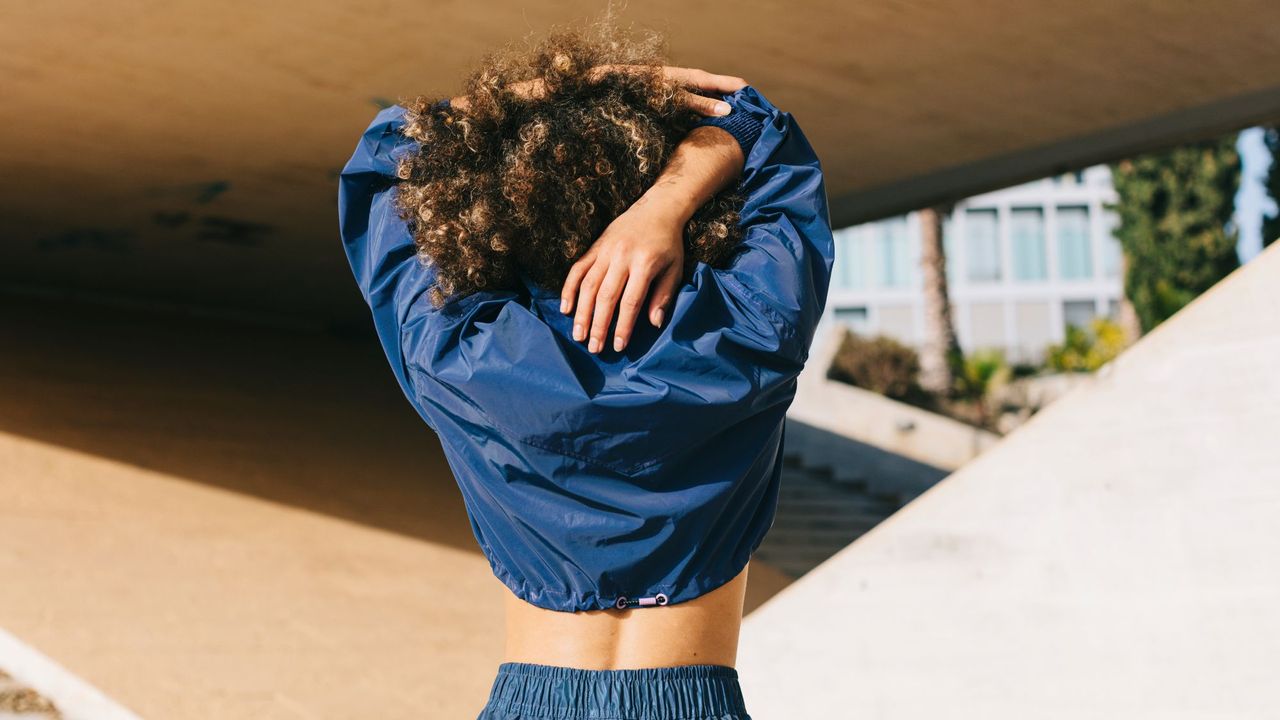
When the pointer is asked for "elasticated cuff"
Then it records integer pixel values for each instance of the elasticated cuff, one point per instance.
(742, 125)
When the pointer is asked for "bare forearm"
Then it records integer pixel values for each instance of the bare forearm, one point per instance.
(645, 244)
(703, 164)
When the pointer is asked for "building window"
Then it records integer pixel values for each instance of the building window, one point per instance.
(982, 246)
(1079, 313)
(894, 253)
(1026, 232)
(1075, 260)
(851, 266)
(854, 316)
(856, 256)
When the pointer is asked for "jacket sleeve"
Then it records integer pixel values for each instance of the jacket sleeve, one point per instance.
(782, 270)
(378, 244)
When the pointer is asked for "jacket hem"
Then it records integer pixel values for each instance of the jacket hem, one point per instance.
(592, 600)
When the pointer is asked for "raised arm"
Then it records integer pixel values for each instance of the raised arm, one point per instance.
(782, 273)
(377, 242)
(778, 279)
(787, 251)
(643, 247)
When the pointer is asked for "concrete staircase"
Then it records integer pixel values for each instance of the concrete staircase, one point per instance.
(822, 507)
(818, 515)
(852, 459)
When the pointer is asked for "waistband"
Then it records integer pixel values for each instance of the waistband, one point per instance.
(681, 692)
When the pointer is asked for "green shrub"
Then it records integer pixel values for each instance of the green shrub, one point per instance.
(983, 371)
(1087, 350)
(880, 364)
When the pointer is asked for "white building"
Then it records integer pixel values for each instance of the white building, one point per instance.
(1022, 264)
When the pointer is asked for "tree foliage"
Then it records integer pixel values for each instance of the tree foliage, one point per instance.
(1174, 207)
(1271, 224)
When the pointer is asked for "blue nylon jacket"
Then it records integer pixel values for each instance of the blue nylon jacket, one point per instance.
(619, 479)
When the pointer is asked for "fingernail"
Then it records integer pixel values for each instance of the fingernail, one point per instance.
(617, 343)
(657, 317)
(577, 333)
(722, 108)
(564, 305)
(594, 346)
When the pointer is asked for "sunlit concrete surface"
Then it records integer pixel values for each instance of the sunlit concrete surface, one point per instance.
(34, 687)
(208, 520)
(1116, 557)
(187, 151)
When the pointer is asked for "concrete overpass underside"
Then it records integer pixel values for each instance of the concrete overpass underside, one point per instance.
(186, 152)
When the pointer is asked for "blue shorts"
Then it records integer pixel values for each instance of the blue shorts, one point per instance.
(529, 691)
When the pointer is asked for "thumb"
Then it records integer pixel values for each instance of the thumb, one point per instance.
(704, 105)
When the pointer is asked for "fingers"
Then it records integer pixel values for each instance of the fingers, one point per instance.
(629, 306)
(606, 299)
(582, 318)
(600, 72)
(722, 83)
(664, 290)
(700, 79)
(572, 281)
(602, 288)
(704, 105)
(704, 80)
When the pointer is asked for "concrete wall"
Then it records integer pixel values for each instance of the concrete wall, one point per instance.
(844, 411)
(1116, 557)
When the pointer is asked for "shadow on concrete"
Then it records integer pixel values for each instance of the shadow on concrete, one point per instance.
(311, 419)
(859, 466)
(835, 490)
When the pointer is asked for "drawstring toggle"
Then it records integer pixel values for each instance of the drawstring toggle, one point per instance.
(624, 602)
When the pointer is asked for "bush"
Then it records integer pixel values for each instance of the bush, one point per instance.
(885, 366)
(1087, 350)
(880, 364)
(984, 371)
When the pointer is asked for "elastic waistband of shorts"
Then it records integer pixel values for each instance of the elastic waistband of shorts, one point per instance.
(659, 693)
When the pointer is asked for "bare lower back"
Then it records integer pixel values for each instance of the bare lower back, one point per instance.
(696, 632)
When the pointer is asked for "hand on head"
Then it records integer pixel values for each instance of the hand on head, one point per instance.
(635, 266)
(700, 79)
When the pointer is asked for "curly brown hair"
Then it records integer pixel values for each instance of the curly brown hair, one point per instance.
(515, 182)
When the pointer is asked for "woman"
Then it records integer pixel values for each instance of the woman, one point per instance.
(618, 489)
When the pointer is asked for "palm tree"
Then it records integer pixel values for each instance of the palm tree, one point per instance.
(940, 352)
(1126, 314)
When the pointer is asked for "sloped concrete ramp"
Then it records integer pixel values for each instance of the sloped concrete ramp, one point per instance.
(1118, 556)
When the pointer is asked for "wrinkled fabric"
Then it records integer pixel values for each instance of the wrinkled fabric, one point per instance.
(593, 477)
(530, 691)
